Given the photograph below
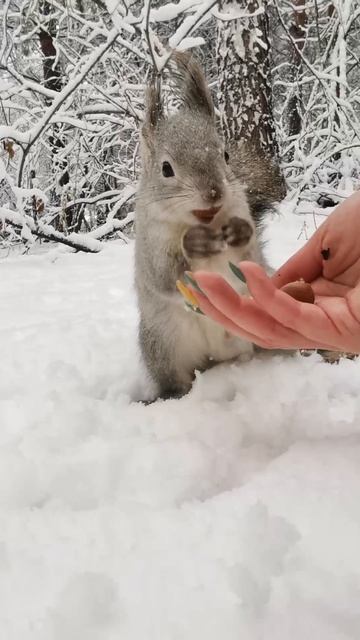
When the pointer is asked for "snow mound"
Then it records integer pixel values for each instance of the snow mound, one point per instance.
(231, 513)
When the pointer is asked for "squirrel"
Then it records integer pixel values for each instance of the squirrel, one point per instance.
(191, 213)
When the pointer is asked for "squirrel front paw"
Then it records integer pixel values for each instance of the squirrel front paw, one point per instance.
(202, 242)
(237, 232)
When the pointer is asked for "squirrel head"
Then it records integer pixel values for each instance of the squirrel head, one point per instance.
(184, 162)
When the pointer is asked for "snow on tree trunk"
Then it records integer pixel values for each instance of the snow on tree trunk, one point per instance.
(54, 81)
(297, 31)
(245, 100)
(243, 54)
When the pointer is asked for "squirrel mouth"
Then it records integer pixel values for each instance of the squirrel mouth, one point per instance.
(206, 215)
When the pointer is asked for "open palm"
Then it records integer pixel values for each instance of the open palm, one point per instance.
(330, 261)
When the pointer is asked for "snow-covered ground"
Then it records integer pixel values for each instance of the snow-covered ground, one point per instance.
(233, 513)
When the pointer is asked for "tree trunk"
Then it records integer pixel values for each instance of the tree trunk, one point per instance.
(298, 32)
(336, 53)
(54, 81)
(245, 101)
(245, 97)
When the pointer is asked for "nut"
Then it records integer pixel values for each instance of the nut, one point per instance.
(300, 290)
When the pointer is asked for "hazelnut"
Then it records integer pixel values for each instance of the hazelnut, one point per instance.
(300, 290)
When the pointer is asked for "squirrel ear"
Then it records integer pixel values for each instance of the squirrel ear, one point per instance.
(191, 83)
(154, 111)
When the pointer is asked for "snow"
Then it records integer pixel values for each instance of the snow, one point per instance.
(231, 513)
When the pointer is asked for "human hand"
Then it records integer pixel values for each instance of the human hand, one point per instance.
(330, 262)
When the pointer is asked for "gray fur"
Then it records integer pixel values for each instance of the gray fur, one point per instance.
(190, 84)
(175, 342)
(264, 181)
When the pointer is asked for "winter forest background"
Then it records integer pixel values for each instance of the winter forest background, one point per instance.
(72, 79)
(234, 511)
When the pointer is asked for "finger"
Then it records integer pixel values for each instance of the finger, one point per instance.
(323, 287)
(353, 302)
(342, 241)
(248, 315)
(307, 263)
(345, 318)
(308, 320)
(266, 342)
(215, 314)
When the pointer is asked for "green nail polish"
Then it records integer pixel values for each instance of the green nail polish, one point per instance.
(189, 280)
(236, 271)
(195, 309)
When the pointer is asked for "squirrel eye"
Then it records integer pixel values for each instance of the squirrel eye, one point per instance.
(226, 157)
(167, 170)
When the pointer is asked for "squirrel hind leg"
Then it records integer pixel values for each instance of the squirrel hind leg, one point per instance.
(166, 388)
(170, 386)
(159, 362)
(167, 391)
(173, 393)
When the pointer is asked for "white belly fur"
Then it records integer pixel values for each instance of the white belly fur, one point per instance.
(198, 339)
(201, 337)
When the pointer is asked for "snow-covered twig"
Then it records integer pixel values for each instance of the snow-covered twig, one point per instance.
(77, 241)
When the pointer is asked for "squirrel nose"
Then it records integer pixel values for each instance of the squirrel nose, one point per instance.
(212, 194)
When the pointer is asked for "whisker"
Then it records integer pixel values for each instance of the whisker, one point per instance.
(161, 195)
(176, 198)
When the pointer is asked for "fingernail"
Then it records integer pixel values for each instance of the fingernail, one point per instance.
(187, 294)
(189, 279)
(236, 271)
(195, 309)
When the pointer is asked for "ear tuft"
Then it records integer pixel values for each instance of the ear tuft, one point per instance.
(190, 83)
(154, 110)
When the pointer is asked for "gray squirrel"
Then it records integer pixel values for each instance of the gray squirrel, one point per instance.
(192, 213)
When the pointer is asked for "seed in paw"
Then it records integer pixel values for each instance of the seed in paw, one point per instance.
(300, 290)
